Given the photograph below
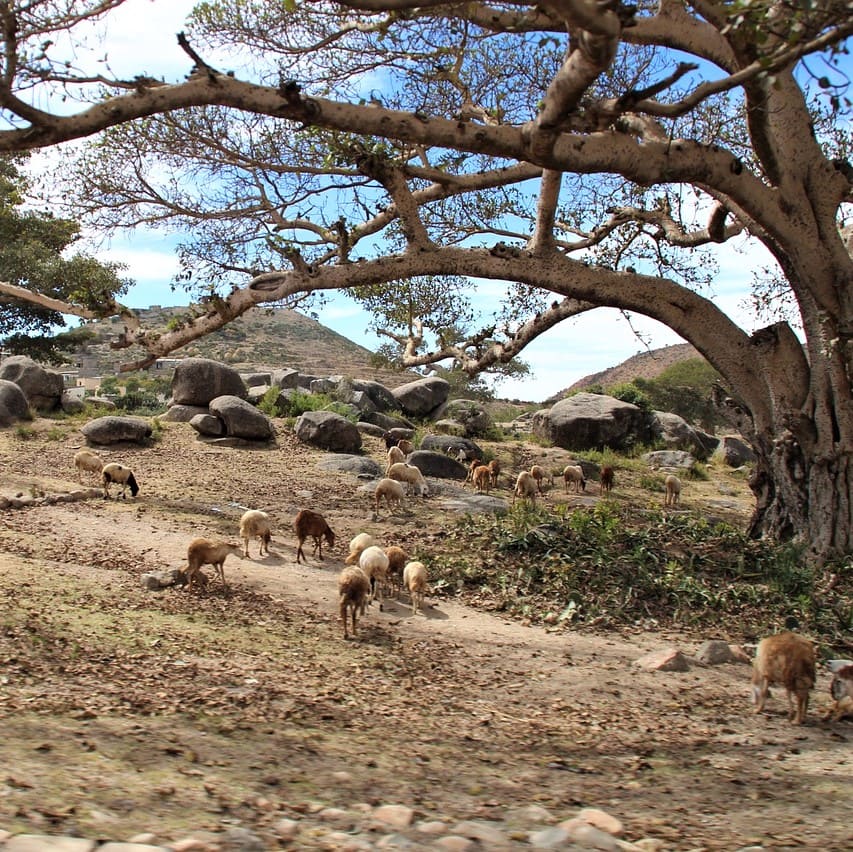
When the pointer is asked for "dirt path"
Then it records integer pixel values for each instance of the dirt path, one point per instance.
(253, 695)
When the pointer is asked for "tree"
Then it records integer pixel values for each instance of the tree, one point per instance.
(561, 146)
(32, 247)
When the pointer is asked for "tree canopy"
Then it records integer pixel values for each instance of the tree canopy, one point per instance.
(34, 256)
(588, 154)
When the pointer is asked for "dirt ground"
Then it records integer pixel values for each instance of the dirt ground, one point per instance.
(124, 710)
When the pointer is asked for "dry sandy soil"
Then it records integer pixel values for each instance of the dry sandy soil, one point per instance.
(124, 710)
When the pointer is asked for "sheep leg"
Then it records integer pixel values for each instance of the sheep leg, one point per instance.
(759, 694)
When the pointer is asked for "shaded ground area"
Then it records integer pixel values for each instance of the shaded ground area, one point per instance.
(123, 709)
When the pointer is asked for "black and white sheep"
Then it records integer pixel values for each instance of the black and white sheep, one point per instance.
(120, 475)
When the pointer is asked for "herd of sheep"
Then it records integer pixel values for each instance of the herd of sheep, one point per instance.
(787, 659)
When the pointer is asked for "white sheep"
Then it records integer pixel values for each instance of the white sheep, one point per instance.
(308, 522)
(415, 580)
(358, 544)
(409, 474)
(672, 484)
(353, 591)
(573, 473)
(391, 490)
(525, 486)
(374, 562)
(120, 475)
(86, 460)
(202, 551)
(255, 524)
(395, 456)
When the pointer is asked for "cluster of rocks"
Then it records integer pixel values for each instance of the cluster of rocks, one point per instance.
(220, 404)
(389, 826)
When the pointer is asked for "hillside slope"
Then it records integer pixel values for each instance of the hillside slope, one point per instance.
(261, 339)
(644, 365)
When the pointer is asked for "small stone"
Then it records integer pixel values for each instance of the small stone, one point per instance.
(584, 834)
(190, 844)
(549, 838)
(117, 846)
(244, 840)
(454, 843)
(336, 815)
(650, 844)
(603, 820)
(536, 813)
(46, 843)
(394, 841)
(667, 660)
(714, 652)
(342, 842)
(397, 816)
(485, 833)
(145, 837)
(342, 777)
(739, 655)
(434, 826)
(286, 829)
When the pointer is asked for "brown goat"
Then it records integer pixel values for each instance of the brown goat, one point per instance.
(482, 478)
(310, 523)
(787, 659)
(353, 592)
(202, 551)
(605, 481)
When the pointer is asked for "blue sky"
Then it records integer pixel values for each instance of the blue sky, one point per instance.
(142, 40)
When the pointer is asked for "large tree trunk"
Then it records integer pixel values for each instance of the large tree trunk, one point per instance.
(803, 495)
(803, 499)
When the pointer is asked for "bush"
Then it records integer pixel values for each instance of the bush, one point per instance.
(602, 567)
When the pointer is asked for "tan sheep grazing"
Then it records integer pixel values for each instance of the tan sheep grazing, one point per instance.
(120, 475)
(391, 490)
(405, 446)
(255, 524)
(789, 660)
(409, 474)
(573, 473)
(672, 484)
(538, 473)
(397, 558)
(472, 466)
(525, 486)
(415, 580)
(395, 456)
(353, 592)
(310, 523)
(482, 478)
(495, 470)
(359, 543)
(86, 460)
(374, 562)
(203, 551)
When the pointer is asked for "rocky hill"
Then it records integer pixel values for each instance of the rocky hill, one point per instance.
(644, 365)
(276, 338)
(261, 339)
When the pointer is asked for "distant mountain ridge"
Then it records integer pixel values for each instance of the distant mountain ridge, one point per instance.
(261, 339)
